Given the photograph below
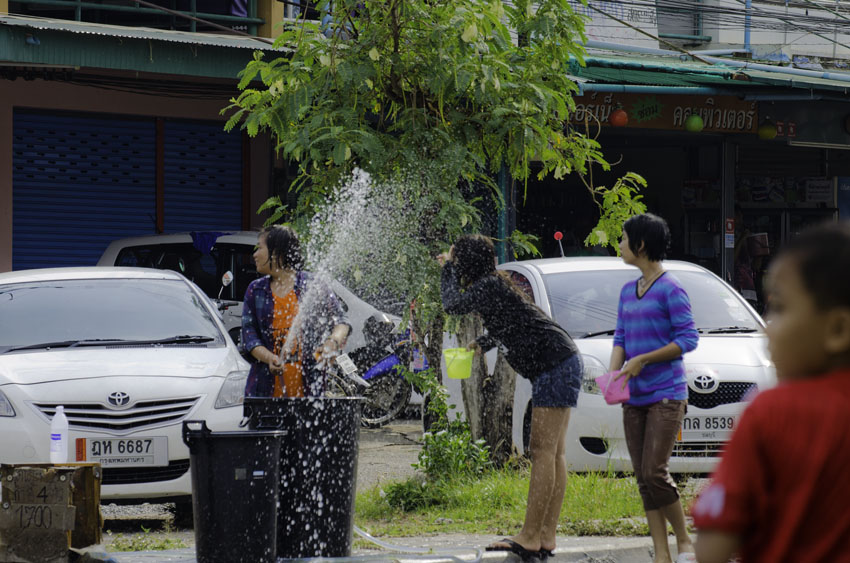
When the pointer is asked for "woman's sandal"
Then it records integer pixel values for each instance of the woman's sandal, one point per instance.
(512, 546)
(545, 554)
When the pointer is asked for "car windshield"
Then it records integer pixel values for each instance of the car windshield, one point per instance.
(94, 310)
(203, 269)
(585, 303)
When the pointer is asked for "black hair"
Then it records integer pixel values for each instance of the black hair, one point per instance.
(474, 257)
(822, 257)
(652, 231)
(283, 245)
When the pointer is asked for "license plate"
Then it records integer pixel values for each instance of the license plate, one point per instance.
(706, 428)
(124, 452)
(346, 364)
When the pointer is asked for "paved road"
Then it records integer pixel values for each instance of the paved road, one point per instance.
(452, 548)
(385, 454)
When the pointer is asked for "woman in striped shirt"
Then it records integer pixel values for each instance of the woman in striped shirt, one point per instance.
(654, 328)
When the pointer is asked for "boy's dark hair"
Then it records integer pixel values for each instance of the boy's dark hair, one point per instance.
(283, 245)
(822, 254)
(474, 257)
(652, 231)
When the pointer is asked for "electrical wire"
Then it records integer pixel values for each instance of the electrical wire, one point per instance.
(761, 19)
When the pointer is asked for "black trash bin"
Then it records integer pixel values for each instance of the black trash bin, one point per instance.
(318, 471)
(234, 493)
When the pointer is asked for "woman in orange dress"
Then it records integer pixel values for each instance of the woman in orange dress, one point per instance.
(284, 345)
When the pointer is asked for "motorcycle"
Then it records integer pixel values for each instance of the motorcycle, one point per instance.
(376, 371)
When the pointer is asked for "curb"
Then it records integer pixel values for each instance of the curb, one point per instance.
(578, 550)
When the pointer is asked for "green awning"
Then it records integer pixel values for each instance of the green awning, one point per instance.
(35, 41)
(673, 72)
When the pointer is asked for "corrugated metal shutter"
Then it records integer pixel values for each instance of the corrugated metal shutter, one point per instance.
(78, 183)
(203, 177)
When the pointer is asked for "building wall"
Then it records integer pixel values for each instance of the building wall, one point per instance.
(787, 38)
(62, 96)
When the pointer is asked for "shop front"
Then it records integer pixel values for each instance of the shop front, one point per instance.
(732, 190)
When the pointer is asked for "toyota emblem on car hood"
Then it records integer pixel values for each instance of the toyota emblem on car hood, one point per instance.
(703, 380)
(119, 399)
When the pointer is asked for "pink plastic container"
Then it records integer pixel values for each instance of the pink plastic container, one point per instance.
(612, 389)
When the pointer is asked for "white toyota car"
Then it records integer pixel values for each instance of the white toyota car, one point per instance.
(729, 365)
(204, 257)
(130, 353)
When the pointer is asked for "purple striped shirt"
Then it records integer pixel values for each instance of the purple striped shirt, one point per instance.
(661, 316)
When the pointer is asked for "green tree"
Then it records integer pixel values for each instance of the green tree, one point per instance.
(431, 99)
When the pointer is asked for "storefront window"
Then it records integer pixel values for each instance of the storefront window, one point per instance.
(770, 210)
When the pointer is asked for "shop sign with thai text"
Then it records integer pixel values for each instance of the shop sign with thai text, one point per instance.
(719, 114)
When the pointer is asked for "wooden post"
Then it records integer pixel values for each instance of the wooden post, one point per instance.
(85, 496)
(36, 513)
(69, 490)
(272, 13)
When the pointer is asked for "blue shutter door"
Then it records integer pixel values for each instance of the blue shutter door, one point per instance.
(78, 183)
(203, 177)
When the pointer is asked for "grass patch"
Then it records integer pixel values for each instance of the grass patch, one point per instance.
(594, 504)
(146, 540)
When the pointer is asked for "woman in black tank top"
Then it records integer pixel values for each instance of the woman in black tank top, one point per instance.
(539, 350)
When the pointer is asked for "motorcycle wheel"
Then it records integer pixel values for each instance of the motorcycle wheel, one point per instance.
(386, 397)
(341, 386)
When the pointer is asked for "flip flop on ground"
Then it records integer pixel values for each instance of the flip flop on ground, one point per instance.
(513, 547)
(545, 554)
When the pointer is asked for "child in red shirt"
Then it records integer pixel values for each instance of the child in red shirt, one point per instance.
(781, 492)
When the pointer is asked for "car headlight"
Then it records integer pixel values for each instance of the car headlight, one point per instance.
(593, 368)
(6, 408)
(232, 392)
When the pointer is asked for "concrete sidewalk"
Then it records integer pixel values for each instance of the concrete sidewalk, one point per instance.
(449, 548)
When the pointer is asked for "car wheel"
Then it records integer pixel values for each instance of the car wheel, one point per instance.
(183, 515)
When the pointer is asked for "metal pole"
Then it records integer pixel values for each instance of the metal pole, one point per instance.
(728, 155)
(748, 21)
(252, 13)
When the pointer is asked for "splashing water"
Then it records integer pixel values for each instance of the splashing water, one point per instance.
(364, 233)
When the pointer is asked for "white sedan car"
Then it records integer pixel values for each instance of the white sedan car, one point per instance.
(130, 353)
(204, 257)
(728, 366)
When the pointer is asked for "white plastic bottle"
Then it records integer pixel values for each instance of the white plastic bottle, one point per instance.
(59, 436)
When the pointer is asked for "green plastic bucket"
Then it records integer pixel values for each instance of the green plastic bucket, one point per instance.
(458, 362)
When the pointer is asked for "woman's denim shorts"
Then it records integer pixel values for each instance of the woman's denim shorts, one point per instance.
(559, 386)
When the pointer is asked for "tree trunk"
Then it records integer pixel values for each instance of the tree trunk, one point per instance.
(488, 399)
(498, 396)
(473, 399)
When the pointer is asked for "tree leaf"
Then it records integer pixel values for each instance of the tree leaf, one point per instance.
(470, 33)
